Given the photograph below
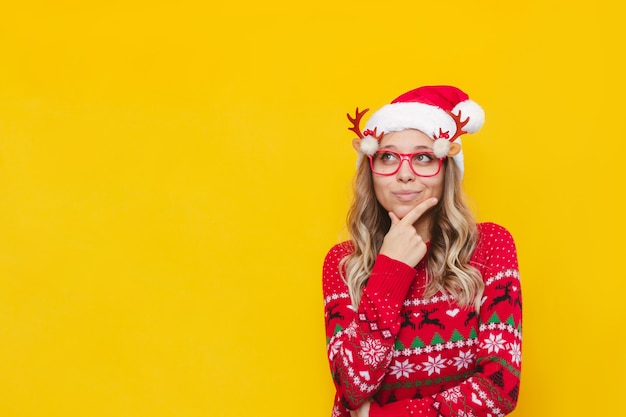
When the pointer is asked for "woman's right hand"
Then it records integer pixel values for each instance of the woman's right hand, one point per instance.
(363, 411)
(402, 242)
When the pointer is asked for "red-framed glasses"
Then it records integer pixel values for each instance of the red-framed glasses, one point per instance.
(422, 163)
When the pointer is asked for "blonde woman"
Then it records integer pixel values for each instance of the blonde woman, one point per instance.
(422, 305)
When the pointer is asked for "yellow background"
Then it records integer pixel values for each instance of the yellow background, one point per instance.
(172, 175)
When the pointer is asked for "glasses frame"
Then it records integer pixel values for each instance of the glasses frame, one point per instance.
(405, 157)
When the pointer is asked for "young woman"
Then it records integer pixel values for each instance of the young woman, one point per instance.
(422, 305)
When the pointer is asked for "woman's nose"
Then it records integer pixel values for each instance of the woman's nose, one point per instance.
(405, 173)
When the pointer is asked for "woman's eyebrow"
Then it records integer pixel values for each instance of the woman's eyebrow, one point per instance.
(393, 147)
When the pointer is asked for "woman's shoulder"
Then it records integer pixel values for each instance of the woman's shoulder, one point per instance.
(340, 251)
(332, 271)
(494, 240)
(492, 231)
(495, 246)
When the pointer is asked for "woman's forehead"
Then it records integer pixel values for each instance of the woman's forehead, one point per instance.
(409, 138)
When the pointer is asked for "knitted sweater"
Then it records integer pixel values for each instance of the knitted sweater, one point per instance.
(426, 357)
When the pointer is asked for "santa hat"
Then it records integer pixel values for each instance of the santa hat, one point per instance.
(443, 113)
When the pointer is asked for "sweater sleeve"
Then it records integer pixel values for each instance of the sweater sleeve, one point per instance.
(493, 389)
(360, 342)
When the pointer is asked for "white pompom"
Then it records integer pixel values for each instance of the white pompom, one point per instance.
(441, 147)
(369, 145)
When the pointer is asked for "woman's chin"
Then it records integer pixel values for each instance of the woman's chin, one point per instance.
(403, 210)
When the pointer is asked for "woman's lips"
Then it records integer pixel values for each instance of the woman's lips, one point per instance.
(406, 195)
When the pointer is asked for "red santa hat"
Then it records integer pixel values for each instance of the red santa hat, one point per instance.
(443, 113)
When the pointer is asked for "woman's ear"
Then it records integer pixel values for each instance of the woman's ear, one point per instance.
(455, 148)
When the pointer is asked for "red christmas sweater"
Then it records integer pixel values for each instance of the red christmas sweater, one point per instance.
(417, 356)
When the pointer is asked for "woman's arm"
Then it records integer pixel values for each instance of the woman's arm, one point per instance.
(360, 343)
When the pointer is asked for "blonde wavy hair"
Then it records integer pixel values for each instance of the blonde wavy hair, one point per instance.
(453, 239)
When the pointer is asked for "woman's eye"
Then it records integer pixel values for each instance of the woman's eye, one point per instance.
(387, 157)
(423, 158)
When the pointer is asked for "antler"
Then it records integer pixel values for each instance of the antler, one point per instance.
(378, 137)
(356, 121)
(459, 125)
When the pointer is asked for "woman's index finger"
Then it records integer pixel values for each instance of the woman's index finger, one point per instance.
(417, 211)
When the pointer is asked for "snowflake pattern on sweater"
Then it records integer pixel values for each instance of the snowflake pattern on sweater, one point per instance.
(426, 357)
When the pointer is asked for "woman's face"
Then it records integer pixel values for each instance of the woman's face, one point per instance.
(400, 192)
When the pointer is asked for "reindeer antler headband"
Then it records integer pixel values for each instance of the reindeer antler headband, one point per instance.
(444, 113)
